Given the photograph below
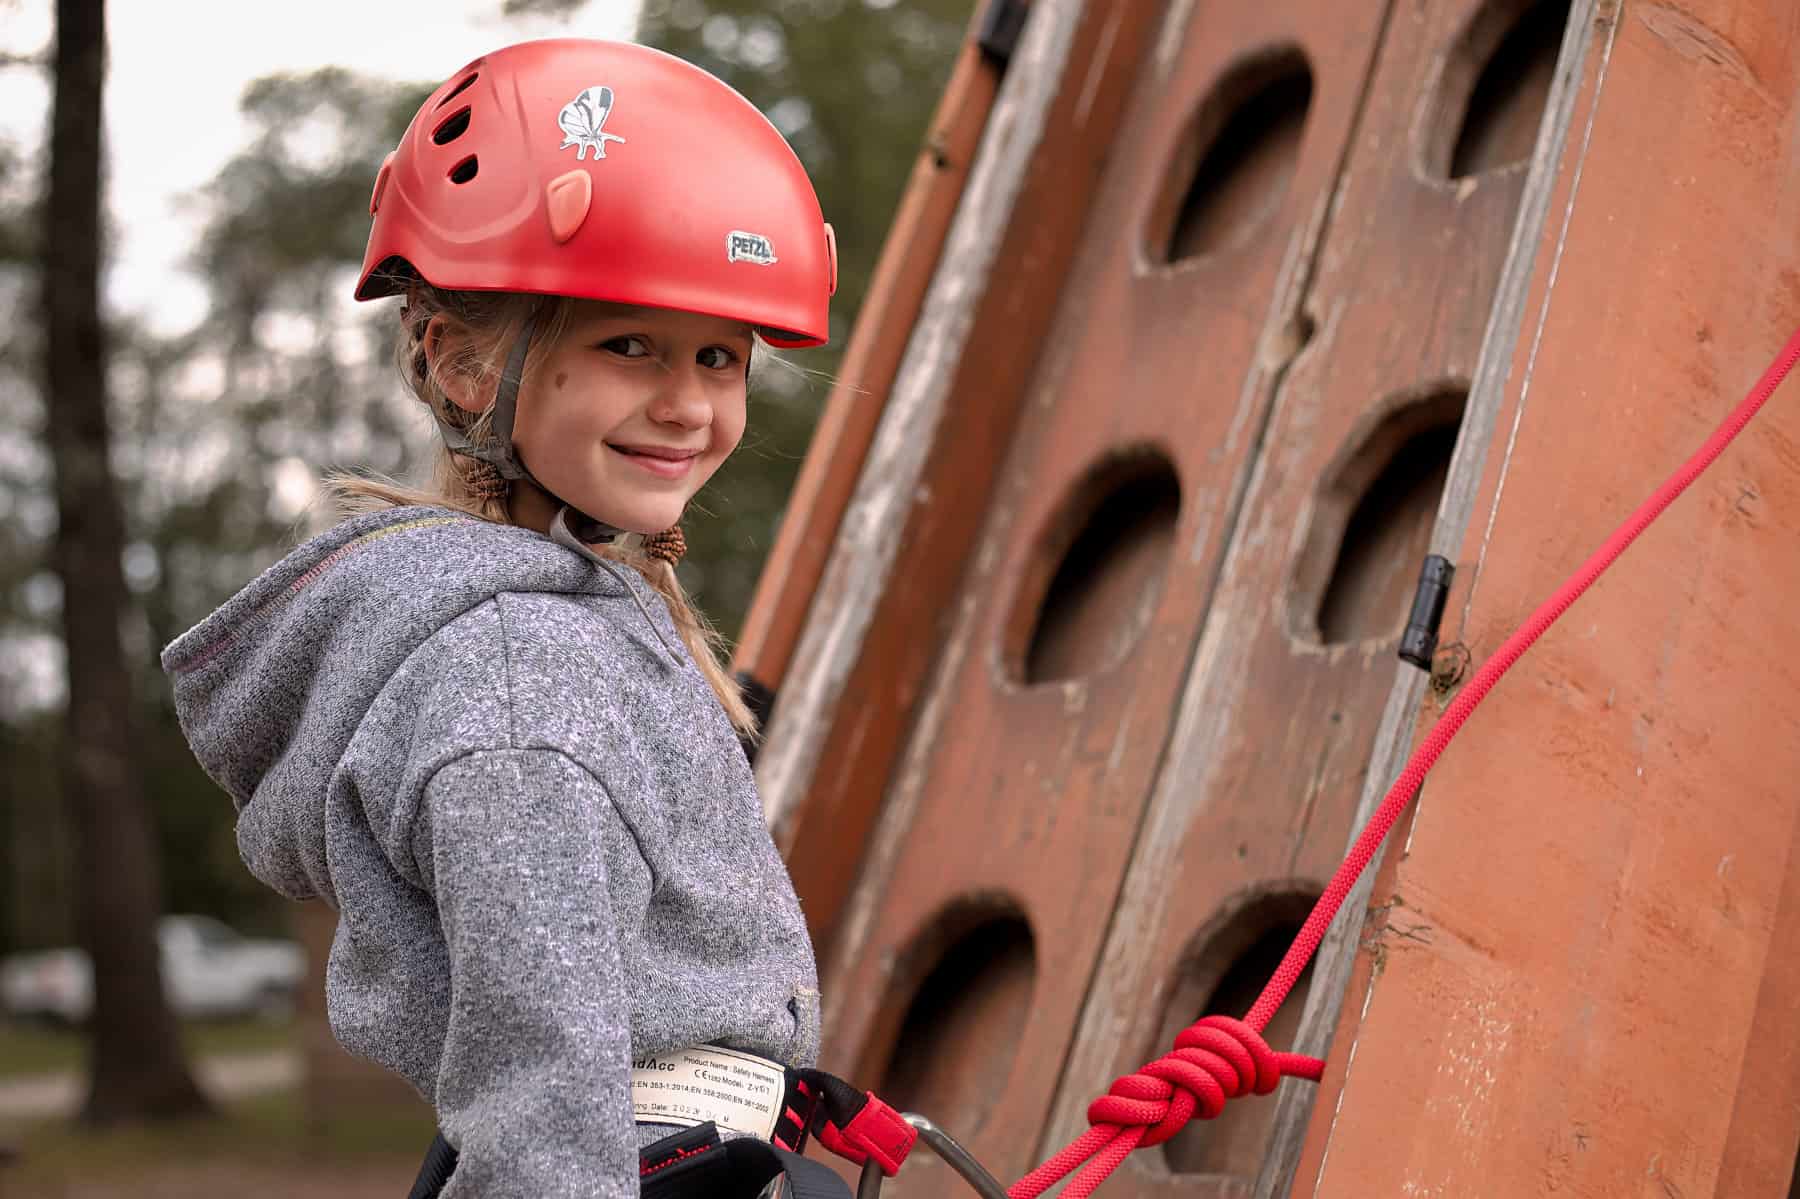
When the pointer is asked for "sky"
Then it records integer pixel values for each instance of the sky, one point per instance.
(176, 69)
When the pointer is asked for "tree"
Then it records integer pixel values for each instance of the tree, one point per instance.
(24, 501)
(283, 377)
(136, 1068)
(225, 430)
(218, 435)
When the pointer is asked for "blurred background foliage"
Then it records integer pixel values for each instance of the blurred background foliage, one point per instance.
(220, 433)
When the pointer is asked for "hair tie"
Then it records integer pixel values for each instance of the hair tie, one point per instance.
(668, 545)
(485, 482)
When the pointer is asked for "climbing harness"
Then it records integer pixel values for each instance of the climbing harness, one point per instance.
(722, 1086)
(695, 1163)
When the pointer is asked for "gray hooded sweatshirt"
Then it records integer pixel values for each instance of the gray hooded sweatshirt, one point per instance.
(543, 843)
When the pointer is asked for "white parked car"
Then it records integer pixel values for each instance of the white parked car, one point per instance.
(208, 969)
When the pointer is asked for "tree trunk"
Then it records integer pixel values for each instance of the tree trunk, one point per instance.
(136, 1064)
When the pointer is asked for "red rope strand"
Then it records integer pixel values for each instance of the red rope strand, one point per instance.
(1217, 1058)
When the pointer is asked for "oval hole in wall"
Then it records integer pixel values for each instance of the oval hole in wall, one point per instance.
(1232, 165)
(1371, 524)
(1494, 88)
(1098, 573)
(1224, 979)
(955, 1045)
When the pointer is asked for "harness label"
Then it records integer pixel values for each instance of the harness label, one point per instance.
(736, 1091)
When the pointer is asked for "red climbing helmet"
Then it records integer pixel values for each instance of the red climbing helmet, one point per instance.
(606, 171)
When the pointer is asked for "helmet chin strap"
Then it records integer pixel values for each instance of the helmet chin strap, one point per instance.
(499, 452)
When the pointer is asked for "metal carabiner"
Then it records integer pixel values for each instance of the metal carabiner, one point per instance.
(946, 1147)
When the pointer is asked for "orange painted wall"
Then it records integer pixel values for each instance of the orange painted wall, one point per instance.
(1599, 989)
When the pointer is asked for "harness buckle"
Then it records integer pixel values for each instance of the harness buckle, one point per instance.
(877, 1134)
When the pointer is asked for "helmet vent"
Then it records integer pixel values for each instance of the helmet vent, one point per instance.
(460, 88)
(465, 170)
(452, 127)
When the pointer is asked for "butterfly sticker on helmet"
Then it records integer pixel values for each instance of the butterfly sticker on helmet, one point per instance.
(583, 120)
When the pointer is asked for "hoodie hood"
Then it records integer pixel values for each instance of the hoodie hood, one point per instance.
(271, 688)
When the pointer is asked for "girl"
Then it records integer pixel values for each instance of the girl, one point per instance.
(460, 717)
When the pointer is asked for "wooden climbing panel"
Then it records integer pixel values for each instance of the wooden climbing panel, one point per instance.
(1244, 310)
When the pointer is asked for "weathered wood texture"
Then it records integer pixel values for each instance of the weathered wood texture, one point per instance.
(1012, 816)
(1339, 969)
(877, 620)
(1594, 991)
(840, 445)
(1284, 706)
(1279, 716)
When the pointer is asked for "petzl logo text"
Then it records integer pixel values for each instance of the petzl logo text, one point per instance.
(749, 247)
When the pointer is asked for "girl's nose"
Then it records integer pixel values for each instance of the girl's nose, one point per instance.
(682, 400)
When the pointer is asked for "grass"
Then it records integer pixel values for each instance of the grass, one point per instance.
(27, 1049)
(273, 1130)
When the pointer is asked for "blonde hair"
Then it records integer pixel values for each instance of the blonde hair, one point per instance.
(493, 322)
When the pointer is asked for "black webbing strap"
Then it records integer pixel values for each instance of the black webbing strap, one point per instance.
(440, 1163)
(696, 1164)
(692, 1164)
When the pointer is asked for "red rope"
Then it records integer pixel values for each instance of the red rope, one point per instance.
(1219, 1058)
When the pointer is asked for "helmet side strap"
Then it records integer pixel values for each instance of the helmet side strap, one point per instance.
(499, 453)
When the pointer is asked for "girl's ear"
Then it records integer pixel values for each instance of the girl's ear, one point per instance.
(446, 355)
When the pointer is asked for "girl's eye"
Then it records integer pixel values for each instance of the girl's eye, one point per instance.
(627, 347)
(716, 358)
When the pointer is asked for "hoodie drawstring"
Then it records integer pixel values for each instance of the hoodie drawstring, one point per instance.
(559, 533)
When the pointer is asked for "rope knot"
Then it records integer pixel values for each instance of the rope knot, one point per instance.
(1214, 1060)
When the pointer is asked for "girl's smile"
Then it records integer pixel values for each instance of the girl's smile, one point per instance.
(661, 461)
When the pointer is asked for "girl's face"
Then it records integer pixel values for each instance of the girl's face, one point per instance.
(629, 413)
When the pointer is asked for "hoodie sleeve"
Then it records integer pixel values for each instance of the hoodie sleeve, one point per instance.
(534, 1082)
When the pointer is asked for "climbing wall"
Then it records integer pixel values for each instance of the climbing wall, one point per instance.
(1104, 663)
(1583, 973)
(1251, 808)
(1215, 503)
(1010, 827)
